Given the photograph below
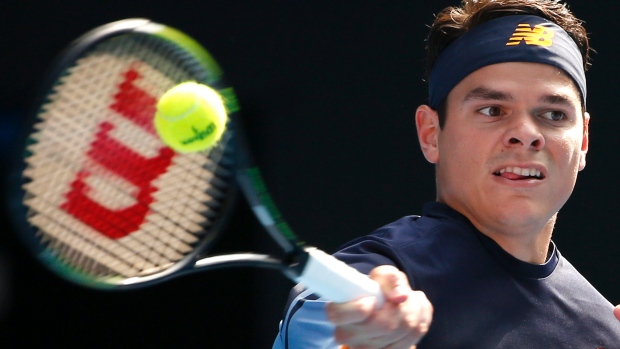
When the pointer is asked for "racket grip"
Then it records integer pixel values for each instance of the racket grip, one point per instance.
(335, 280)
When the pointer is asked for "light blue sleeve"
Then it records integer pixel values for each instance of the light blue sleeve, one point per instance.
(305, 326)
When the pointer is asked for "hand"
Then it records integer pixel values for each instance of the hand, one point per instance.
(401, 322)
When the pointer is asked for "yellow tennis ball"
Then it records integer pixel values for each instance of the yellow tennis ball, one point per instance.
(190, 117)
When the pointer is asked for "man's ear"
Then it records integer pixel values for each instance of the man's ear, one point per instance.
(427, 124)
(585, 141)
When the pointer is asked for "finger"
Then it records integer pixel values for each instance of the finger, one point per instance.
(412, 316)
(398, 340)
(617, 312)
(341, 314)
(387, 326)
(414, 332)
(420, 321)
(381, 328)
(407, 342)
(393, 282)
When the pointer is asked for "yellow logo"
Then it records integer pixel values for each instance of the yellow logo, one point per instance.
(539, 35)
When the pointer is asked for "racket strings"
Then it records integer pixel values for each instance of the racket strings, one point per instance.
(57, 164)
(151, 248)
(187, 238)
(204, 180)
(178, 204)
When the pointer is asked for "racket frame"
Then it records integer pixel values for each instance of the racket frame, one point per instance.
(16, 181)
(300, 263)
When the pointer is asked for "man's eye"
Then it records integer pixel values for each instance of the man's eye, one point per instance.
(490, 111)
(554, 115)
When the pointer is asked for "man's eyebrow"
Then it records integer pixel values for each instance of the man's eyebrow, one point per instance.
(483, 92)
(557, 99)
(486, 93)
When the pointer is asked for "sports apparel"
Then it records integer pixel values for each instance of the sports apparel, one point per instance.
(482, 296)
(522, 38)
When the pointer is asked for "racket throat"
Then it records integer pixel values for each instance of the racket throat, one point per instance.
(296, 262)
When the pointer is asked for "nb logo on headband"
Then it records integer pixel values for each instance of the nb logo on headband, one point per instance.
(538, 36)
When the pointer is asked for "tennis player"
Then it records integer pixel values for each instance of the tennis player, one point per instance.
(507, 130)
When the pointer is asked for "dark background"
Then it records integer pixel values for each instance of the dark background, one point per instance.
(328, 89)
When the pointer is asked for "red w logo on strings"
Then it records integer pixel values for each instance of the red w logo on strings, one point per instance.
(137, 106)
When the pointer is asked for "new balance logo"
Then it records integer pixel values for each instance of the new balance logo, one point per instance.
(539, 35)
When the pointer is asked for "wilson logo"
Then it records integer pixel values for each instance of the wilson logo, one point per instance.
(138, 107)
(538, 36)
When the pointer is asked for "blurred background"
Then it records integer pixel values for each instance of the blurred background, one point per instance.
(328, 90)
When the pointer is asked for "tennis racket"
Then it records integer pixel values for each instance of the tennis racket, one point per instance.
(107, 205)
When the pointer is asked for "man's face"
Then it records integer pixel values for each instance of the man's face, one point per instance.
(513, 142)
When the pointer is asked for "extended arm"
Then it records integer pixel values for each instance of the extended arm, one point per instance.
(400, 323)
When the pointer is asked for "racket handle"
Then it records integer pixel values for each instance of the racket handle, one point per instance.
(335, 280)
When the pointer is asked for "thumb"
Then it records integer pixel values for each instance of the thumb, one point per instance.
(393, 282)
(617, 312)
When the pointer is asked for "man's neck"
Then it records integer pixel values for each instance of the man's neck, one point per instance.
(526, 246)
(535, 252)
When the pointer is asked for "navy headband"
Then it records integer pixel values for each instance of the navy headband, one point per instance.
(506, 39)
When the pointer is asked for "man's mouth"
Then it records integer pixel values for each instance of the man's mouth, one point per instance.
(516, 173)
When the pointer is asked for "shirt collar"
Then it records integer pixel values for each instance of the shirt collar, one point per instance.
(514, 265)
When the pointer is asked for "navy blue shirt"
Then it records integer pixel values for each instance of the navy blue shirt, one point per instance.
(482, 296)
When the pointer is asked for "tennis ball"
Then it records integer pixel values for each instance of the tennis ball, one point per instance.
(190, 117)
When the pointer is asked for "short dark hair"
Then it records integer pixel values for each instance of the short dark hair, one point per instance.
(452, 22)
